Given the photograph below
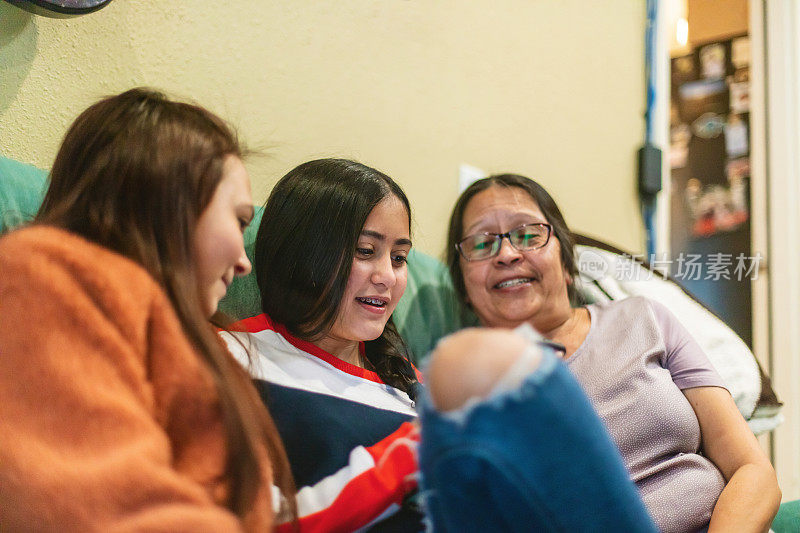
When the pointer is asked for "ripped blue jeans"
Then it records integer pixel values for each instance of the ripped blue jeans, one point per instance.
(535, 457)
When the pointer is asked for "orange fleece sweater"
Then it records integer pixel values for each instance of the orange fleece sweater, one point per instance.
(109, 421)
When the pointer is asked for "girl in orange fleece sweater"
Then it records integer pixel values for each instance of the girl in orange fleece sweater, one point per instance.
(121, 410)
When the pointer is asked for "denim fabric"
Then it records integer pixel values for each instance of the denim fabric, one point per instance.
(535, 458)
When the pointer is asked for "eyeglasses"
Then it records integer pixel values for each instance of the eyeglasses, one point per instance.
(485, 245)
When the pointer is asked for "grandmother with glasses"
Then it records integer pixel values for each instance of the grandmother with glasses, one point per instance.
(695, 463)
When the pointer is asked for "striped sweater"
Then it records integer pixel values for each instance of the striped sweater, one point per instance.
(348, 435)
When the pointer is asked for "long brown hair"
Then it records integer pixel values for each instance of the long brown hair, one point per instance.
(133, 174)
(304, 252)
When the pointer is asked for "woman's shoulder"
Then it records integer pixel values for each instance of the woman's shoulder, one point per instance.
(46, 248)
(634, 311)
(648, 308)
(50, 266)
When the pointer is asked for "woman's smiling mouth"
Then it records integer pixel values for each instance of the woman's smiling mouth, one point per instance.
(373, 304)
(513, 282)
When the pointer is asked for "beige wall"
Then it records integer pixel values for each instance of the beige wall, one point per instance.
(549, 88)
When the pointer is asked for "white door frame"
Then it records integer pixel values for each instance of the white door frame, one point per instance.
(781, 41)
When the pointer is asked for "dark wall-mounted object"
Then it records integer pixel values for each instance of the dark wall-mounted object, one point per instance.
(60, 8)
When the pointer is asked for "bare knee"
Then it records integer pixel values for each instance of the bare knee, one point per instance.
(469, 364)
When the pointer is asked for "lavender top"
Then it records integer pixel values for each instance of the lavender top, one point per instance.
(633, 364)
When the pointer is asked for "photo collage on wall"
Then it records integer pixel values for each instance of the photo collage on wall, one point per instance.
(709, 136)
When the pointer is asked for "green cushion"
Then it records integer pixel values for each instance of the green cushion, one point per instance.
(429, 309)
(243, 299)
(788, 518)
(22, 188)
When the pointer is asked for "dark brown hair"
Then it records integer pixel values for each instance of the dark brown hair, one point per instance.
(549, 209)
(133, 174)
(304, 253)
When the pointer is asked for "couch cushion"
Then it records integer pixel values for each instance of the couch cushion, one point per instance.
(21, 190)
(429, 309)
(243, 299)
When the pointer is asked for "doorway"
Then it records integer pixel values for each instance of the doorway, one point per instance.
(738, 63)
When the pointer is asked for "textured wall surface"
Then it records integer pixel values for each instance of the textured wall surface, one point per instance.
(553, 89)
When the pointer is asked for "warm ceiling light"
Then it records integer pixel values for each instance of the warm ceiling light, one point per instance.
(682, 31)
